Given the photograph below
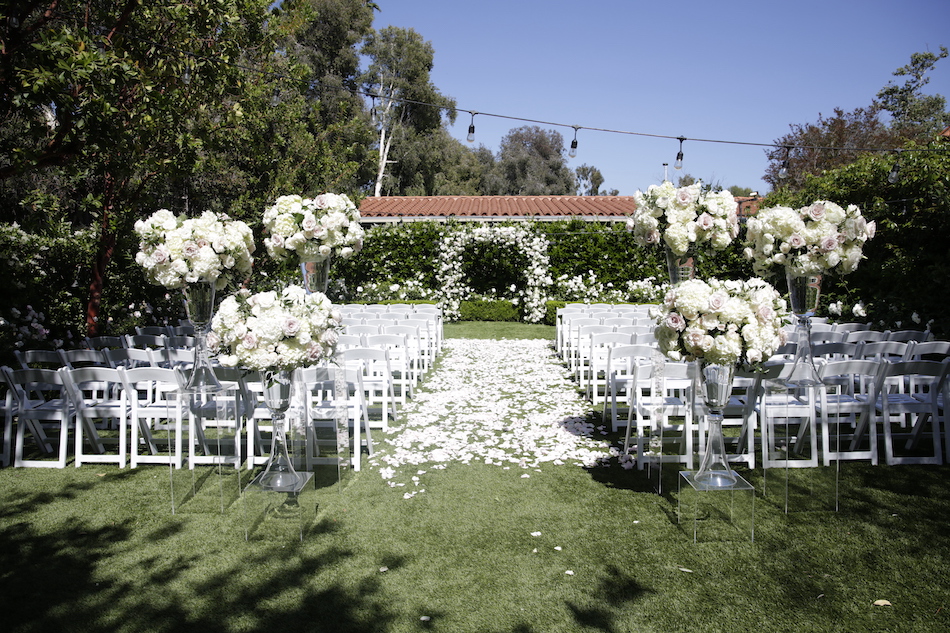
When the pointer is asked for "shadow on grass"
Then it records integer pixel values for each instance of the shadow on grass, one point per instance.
(184, 573)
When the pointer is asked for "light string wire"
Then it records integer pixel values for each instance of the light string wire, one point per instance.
(304, 86)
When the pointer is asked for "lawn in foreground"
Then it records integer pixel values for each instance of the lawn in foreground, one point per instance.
(484, 549)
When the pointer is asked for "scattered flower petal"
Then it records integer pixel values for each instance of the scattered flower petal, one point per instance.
(688, 571)
(569, 572)
(882, 603)
(535, 534)
(383, 569)
(557, 548)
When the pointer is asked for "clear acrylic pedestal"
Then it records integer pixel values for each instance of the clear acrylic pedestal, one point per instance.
(210, 478)
(718, 513)
(318, 445)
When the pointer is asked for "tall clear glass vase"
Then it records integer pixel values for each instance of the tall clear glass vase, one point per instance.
(199, 306)
(279, 474)
(804, 292)
(316, 275)
(679, 267)
(715, 385)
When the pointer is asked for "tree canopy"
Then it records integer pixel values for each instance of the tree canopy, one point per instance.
(840, 139)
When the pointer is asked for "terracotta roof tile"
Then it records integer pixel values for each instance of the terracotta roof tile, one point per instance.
(542, 207)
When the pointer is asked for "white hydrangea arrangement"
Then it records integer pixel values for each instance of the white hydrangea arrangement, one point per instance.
(722, 322)
(683, 217)
(176, 251)
(820, 238)
(313, 228)
(275, 331)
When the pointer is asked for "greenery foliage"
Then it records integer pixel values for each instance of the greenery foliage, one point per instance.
(906, 274)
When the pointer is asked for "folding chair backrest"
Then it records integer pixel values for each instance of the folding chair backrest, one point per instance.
(73, 358)
(44, 358)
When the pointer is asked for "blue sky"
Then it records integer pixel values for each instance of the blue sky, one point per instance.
(734, 70)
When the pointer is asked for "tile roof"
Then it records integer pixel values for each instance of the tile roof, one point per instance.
(488, 208)
(395, 208)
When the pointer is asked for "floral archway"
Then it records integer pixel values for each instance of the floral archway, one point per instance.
(451, 273)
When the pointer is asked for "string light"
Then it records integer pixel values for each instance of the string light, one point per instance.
(895, 174)
(573, 152)
(783, 170)
(471, 129)
(186, 78)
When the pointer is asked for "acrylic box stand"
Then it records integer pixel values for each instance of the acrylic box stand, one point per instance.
(210, 477)
(718, 513)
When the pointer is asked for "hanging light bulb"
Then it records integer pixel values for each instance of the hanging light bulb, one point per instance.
(895, 174)
(573, 152)
(679, 155)
(666, 172)
(471, 129)
(783, 170)
(186, 76)
(275, 98)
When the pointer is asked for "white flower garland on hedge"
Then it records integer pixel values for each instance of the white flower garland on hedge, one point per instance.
(537, 276)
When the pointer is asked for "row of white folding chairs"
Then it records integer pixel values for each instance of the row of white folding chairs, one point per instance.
(833, 335)
(395, 311)
(567, 323)
(859, 400)
(578, 351)
(143, 406)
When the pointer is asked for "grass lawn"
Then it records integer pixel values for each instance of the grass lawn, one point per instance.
(483, 550)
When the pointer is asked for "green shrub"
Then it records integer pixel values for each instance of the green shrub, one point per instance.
(499, 310)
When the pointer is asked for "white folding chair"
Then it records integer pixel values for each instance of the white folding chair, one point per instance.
(908, 397)
(323, 403)
(846, 400)
(156, 413)
(400, 363)
(224, 413)
(42, 404)
(788, 418)
(377, 378)
(100, 404)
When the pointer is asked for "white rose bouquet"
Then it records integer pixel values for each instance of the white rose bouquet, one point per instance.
(683, 217)
(820, 238)
(314, 228)
(272, 331)
(175, 251)
(723, 322)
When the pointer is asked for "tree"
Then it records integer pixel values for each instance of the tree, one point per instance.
(589, 180)
(107, 97)
(741, 192)
(915, 116)
(827, 144)
(398, 78)
(833, 142)
(531, 163)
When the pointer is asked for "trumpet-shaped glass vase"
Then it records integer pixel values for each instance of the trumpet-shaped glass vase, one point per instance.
(279, 474)
(715, 384)
(316, 275)
(804, 292)
(199, 305)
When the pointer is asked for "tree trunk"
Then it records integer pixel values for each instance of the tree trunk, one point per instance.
(107, 240)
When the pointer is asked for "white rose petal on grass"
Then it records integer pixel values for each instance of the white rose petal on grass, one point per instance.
(558, 548)
(882, 603)
(688, 571)
(569, 572)
(535, 534)
(424, 618)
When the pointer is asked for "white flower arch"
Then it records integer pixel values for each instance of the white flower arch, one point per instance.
(454, 288)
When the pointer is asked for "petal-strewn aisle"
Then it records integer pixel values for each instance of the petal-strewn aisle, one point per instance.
(508, 403)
